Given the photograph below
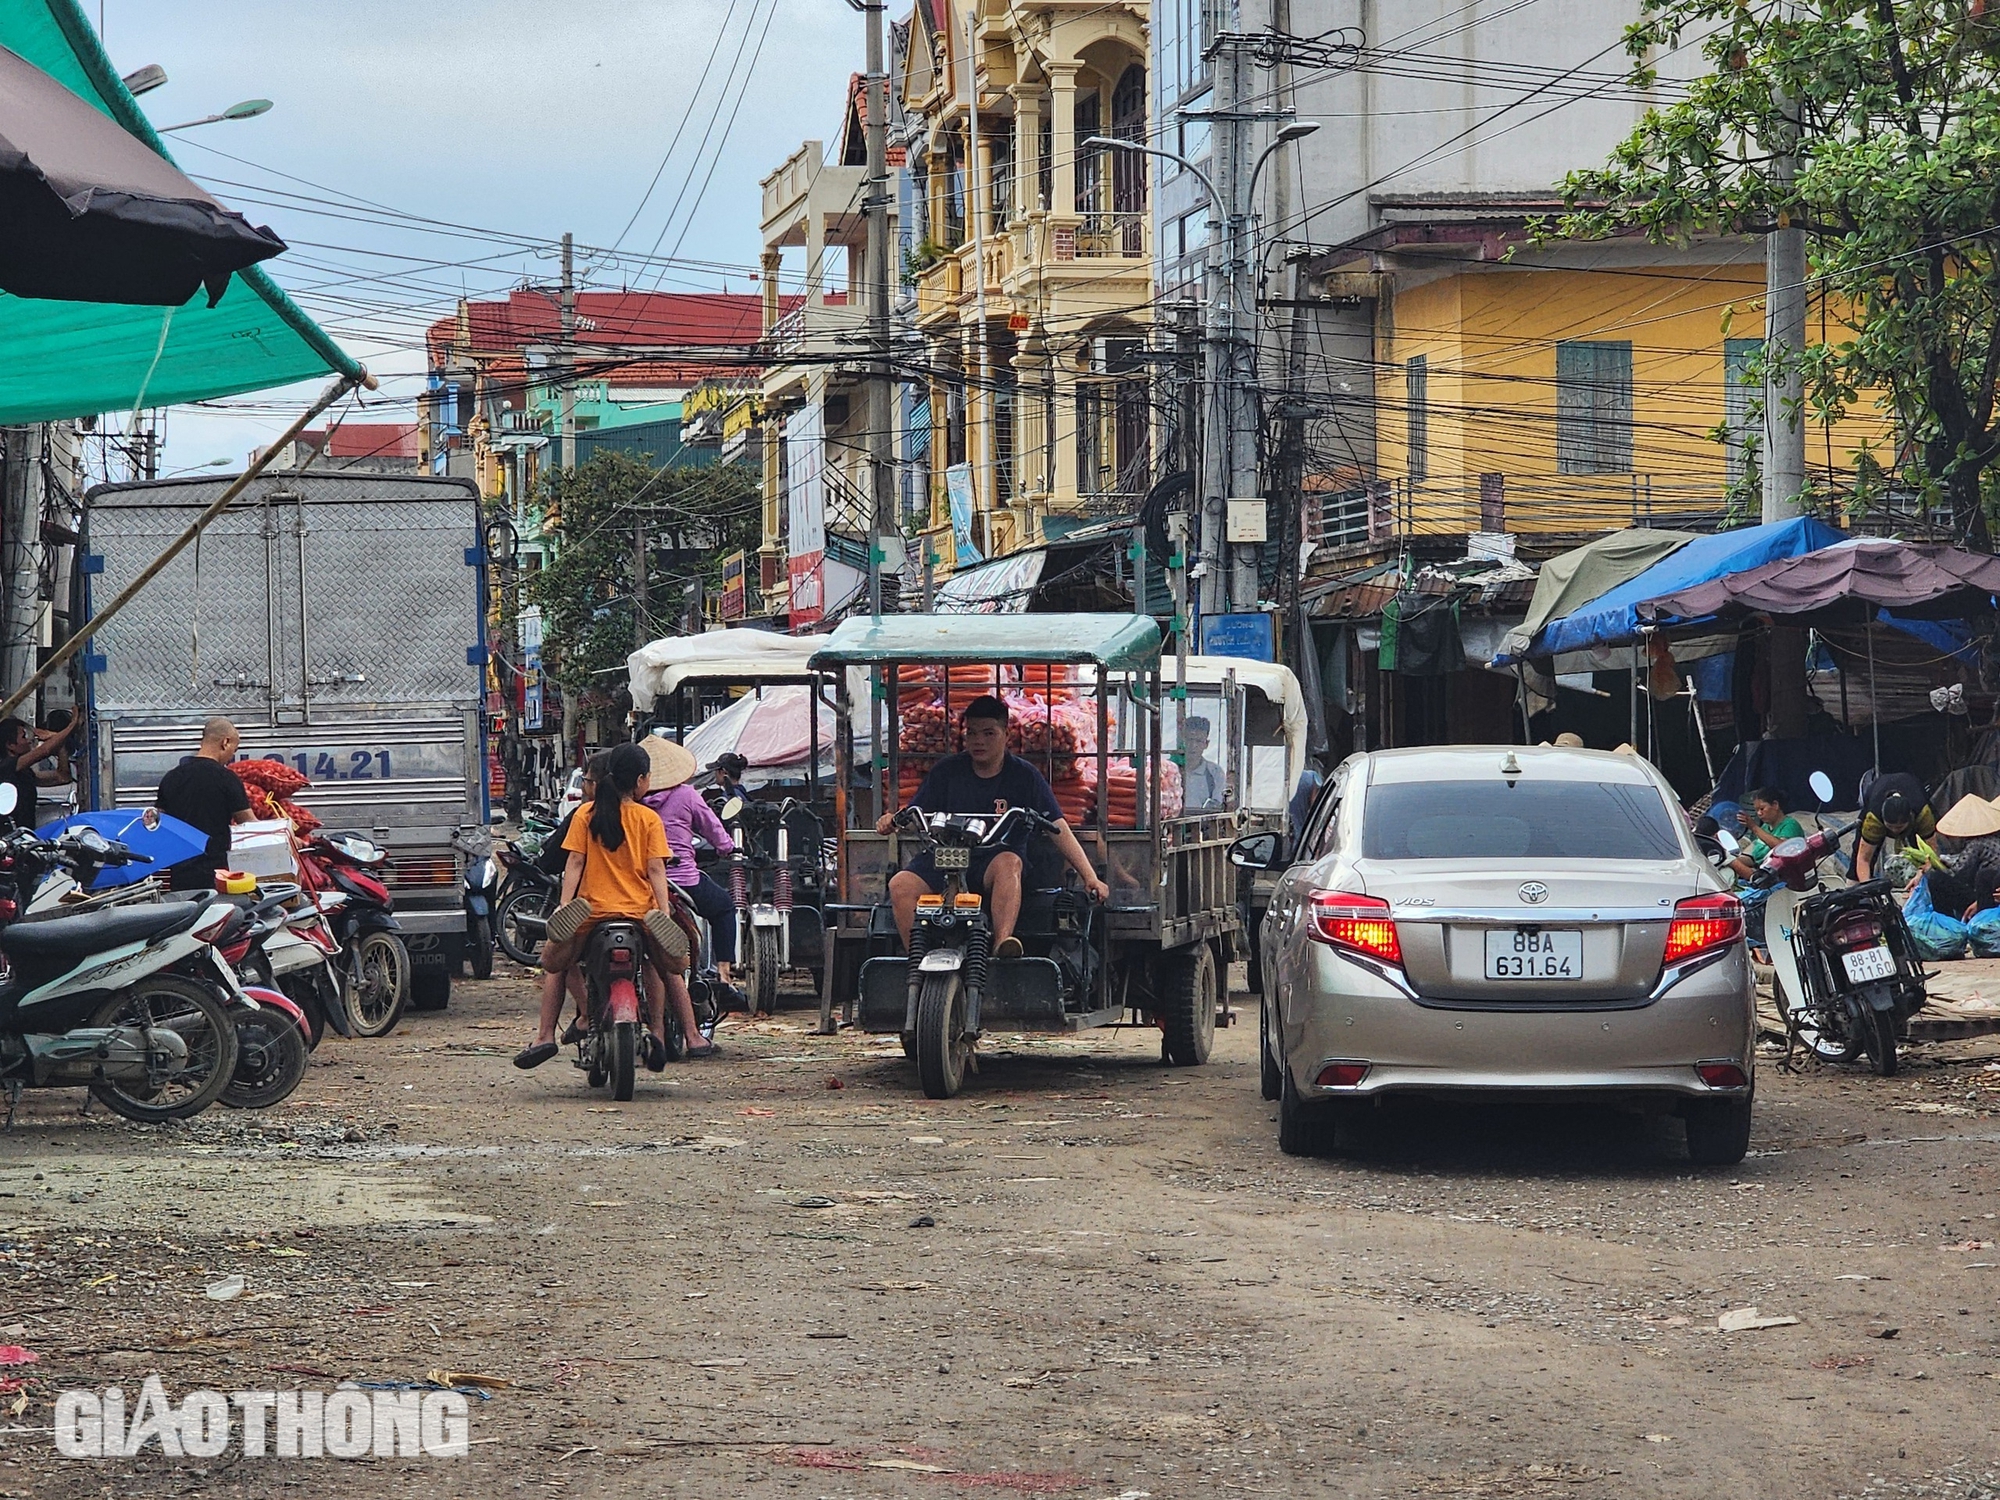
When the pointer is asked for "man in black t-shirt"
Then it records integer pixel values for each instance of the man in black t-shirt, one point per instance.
(21, 747)
(984, 778)
(204, 792)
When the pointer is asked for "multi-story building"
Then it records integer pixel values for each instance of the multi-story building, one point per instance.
(1031, 259)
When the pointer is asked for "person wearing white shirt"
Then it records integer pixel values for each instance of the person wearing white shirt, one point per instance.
(1203, 785)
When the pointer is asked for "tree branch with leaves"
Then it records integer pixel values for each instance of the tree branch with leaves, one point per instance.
(1892, 111)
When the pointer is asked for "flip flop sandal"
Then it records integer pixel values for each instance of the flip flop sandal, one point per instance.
(702, 1054)
(534, 1056)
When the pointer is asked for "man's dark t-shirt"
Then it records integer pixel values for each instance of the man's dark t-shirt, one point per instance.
(954, 787)
(1873, 829)
(208, 795)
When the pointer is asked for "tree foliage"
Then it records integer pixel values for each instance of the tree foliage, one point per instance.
(692, 519)
(1891, 111)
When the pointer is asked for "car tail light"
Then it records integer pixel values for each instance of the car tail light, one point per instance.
(1360, 923)
(1722, 1075)
(1858, 929)
(1702, 924)
(1341, 1075)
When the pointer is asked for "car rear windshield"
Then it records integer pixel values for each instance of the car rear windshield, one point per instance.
(1488, 819)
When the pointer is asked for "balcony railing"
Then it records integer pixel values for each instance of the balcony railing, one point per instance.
(1522, 504)
(1112, 234)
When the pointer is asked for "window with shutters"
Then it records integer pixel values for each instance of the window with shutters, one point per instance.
(1417, 389)
(1594, 407)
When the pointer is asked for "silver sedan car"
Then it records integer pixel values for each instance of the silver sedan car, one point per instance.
(1516, 921)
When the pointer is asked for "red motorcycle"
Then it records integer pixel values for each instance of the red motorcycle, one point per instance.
(370, 960)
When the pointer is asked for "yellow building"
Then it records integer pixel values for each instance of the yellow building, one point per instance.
(1556, 391)
(1031, 257)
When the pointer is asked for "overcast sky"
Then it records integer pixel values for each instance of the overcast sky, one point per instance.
(499, 115)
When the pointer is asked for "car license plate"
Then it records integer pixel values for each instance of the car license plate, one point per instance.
(1864, 964)
(949, 857)
(1535, 953)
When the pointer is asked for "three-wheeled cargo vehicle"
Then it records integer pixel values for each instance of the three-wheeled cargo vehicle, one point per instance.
(1090, 708)
(772, 710)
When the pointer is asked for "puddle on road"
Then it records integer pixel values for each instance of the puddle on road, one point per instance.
(212, 1194)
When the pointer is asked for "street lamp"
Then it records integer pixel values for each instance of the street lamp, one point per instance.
(144, 80)
(213, 463)
(248, 109)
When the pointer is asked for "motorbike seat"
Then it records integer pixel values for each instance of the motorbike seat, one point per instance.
(95, 931)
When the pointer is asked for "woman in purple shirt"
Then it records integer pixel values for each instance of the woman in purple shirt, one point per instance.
(685, 814)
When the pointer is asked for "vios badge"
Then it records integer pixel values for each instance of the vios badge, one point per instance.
(1534, 893)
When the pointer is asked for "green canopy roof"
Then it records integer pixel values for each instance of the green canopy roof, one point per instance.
(1117, 643)
(76, 359)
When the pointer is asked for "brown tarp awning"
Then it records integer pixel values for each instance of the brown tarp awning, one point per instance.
(1842, 584)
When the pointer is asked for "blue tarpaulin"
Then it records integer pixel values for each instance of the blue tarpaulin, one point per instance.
(1612, 618)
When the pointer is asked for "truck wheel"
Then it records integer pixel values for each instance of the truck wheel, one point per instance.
(941, 1047)
(1268, 1071)
(1187, 1011)
(1718, 1131)
(1303, 1129)
(430, 990)
(378, 984)
(762, 981)
(479, 947)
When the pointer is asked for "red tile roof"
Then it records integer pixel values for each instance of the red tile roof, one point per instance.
(373, 440)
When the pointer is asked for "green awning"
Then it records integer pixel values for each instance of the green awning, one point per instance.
(77, 359)
(1117, 643)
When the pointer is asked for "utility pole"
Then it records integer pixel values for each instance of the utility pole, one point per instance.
(567, 357)
(641, 608)
(1784, 418)
(881, 400)
(1226, 275)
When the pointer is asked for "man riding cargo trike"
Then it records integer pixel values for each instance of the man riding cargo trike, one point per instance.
(1014, 855)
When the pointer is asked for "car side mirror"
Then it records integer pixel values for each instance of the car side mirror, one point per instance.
(1255, 851)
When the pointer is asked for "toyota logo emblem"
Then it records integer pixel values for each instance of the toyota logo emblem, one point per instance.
(1534, 893)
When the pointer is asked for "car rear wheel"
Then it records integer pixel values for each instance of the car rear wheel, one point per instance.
(1303, 1129)
(1718, 1131)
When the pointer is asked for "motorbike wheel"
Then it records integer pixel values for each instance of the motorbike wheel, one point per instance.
(378, 984)
(1880, 1040)
(167, 1003)
(271, 1059)
(762, 980)
(624, 1059)
(479, 947)
(941, 1046)
(520, 943)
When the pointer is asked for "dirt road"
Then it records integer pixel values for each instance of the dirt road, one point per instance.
(785, 1273)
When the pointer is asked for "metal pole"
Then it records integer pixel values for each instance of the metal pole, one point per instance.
(82, 632)
(880, 390)
(641, 603)
(1874, 703)
(18, 534)
(567, 360)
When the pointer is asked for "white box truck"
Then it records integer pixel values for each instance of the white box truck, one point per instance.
(339, 620)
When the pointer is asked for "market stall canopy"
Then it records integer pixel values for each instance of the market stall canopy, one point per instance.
(1612, 618)
(77, 358)
(1118, 643)
(1842, 584)
(734, 655)
(773, 731)
(90, 213)
(1572, 579)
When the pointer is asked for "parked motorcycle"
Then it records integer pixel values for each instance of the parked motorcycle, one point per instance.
(521, 920)
(482, 898)
(1848, 974)
(371, 962)
(93, 1000)
(774, 878)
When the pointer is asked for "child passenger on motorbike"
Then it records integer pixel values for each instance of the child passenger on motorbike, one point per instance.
(618, 863)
